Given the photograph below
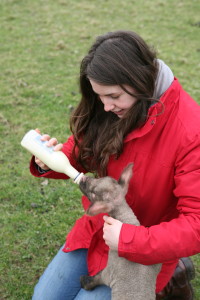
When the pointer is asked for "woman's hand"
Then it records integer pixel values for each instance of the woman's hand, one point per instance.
(111, 232)
(51, 142)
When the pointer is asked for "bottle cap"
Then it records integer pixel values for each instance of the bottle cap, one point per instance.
(77, 179)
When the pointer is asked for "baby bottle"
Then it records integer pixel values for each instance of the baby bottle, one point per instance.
(55, 160)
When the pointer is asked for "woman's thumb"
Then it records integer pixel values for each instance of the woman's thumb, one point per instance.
(108, 220)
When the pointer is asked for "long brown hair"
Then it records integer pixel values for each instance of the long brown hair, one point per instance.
(116, 58)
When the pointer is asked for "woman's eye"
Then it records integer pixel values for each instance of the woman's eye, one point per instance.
(98, 97)
(114, 97)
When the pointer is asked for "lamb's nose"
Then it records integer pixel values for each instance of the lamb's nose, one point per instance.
(83, 178)
(82, 183)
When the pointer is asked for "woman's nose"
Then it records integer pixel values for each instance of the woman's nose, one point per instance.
(108, 105)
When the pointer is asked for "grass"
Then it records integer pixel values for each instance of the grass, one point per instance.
(42, 43)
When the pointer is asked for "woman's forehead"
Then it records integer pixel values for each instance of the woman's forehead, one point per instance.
(106, 90)
(101, 89)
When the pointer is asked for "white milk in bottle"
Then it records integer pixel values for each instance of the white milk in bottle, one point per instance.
(55, 160)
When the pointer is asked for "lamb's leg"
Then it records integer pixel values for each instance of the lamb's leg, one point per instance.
(90, 282)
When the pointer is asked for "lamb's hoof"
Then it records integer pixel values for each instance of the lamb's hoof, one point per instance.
(86, 282)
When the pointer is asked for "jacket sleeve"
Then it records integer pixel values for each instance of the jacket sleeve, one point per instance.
(179, 237)
(67, 150)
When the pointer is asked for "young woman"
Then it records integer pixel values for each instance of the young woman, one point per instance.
(132, 109)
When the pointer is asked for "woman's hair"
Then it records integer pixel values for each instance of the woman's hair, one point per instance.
(116, 58)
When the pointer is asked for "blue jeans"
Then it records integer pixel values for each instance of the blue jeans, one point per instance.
(61, 279)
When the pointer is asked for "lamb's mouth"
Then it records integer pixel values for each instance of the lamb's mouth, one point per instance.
(82, 186)
(89, 209)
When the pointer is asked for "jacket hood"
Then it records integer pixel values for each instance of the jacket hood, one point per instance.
(157, 110)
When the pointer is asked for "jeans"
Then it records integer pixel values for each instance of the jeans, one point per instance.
(61, 279)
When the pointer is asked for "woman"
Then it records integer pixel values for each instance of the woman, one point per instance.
(132, 109)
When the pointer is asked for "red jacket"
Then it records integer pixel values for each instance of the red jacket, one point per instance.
(164, 191)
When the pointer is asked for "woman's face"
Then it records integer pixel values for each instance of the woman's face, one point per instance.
(114, 98)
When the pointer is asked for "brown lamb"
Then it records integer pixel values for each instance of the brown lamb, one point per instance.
(128, 280)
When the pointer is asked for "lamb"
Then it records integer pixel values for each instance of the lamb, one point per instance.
(127, 280)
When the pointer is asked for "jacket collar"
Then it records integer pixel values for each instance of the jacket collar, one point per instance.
(155, 111)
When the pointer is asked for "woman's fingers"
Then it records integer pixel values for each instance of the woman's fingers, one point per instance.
(41, 164)
(58, 147)
(38, 130)
(45, 137)
(51, 142)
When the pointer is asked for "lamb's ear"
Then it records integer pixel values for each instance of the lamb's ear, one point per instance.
(125, 177)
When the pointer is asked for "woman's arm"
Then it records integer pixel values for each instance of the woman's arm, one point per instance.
(177, 238)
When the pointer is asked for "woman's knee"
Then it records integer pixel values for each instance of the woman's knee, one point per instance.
(60, 280)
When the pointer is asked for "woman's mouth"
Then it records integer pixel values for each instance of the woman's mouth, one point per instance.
(119, 112)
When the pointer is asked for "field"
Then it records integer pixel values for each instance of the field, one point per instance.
(41, 45)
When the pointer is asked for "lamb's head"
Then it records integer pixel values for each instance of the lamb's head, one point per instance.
(105, 193)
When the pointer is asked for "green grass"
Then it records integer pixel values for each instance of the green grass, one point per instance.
(42, 43)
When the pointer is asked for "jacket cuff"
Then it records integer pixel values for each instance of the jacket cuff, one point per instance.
(126, 246)
(41, 171)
